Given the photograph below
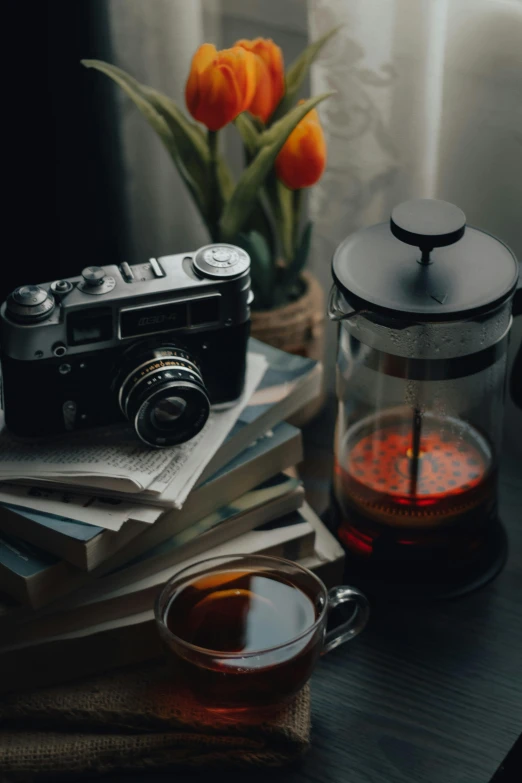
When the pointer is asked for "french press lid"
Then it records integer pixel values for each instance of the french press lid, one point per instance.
(425, 263)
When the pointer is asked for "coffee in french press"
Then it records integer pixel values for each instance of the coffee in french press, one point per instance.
(425, 306)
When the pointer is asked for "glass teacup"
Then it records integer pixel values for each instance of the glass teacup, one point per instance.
(244, 632)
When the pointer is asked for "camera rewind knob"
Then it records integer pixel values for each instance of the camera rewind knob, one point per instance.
(29, 304)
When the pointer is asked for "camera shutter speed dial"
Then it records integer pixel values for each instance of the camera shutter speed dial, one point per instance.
(221, 261)
(95, 281)
(29, 304)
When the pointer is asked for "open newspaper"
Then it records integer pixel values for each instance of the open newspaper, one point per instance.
(114, 459)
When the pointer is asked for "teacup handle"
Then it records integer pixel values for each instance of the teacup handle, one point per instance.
(355, 624)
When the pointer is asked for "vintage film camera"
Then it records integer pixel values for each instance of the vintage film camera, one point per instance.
(156, 344)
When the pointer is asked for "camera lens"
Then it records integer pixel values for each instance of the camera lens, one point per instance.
(162, 393)
(166, 413)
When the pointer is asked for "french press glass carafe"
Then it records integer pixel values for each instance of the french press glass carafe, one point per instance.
(425, 307)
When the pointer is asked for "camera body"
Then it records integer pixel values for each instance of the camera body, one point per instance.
(155, 343)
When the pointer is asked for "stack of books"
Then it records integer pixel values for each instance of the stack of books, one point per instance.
(92, 525)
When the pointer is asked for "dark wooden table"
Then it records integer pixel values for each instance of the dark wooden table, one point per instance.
(428, 693)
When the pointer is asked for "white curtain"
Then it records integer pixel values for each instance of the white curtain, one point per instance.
(428, 105)
(155, 41)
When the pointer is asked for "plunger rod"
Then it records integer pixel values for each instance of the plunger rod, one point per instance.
(415, 448)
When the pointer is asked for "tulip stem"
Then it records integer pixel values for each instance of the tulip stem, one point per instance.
(213, 207)
(297, 210)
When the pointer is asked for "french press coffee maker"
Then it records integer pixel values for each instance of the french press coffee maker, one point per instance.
(425, 305)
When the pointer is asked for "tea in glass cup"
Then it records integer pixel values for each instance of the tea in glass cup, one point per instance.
(244, 632)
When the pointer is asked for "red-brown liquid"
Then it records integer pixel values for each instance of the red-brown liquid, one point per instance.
(442, 504)
(243, 613)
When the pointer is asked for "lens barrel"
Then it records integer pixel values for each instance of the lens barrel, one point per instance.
(162, 393)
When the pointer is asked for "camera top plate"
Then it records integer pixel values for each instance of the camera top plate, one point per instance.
(205, 289)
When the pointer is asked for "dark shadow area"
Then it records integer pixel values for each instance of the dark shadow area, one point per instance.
(62, 186)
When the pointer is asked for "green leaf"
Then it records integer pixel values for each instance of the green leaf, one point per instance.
(287, 213)
(294, 269)
(282, 129)
(183, 139)
(183, 129)
(249, 129)
(224, 175)
(187, 133)
(244, 197)
(257, 122)
(259, 220)
(190, 143)
(298, 71)
(281, 203)
(225, 179)
(262, 271)
(250, 135)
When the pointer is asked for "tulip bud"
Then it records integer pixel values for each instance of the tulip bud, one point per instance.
(302, 158)
(270, 76)
(221, 84)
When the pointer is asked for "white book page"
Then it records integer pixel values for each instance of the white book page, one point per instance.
(180, 476)
(110, 514)
(114, 455)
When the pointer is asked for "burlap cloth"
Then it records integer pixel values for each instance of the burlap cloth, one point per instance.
(135, 719)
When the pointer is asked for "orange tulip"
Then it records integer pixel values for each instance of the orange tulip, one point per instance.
(220, 84)
(270, 75)
(302, 158)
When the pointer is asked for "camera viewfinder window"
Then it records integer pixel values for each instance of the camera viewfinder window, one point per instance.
(204, 310)
(92, 326)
